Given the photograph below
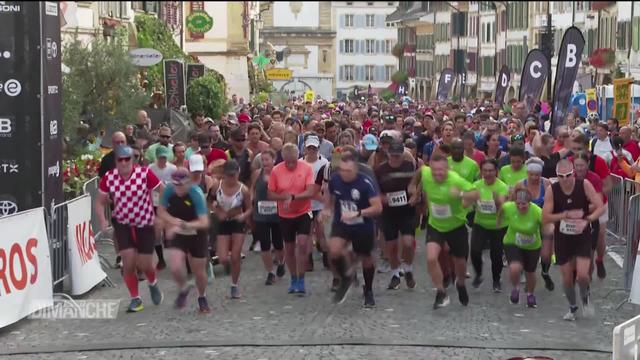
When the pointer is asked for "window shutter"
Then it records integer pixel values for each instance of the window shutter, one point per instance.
(342, 20)
(341, 46)
(359, 20)
(379, 73)
(341, 72)
(360, 70)
(378, 46)
(380, 21)
(356, 46)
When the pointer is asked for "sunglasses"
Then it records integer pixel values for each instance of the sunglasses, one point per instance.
(125, 159)
(565, 176)
(205, 146)
(165, 136)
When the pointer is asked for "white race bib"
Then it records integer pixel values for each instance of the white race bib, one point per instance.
(522, 239)
(350, 206)
(267, 207)
(569, 227)
(487, 206)
(398, 198)
(440, 211)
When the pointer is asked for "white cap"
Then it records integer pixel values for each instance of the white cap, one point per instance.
(196, 163)
(312, 141)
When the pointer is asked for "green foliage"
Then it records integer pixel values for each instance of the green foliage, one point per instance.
(398, 50)
(206, 94)
(101, 81)
(399, 77)
(261, 98)
(154, 34)
(386, 95)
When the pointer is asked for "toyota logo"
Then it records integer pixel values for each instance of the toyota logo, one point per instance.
(7, 208)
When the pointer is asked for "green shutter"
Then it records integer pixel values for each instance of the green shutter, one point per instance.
(636, 34)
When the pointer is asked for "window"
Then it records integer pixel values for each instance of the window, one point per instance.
(348, 20)
(388, 45)
(369, 73)
(623, 35)
(370, 20)
(349, 71)
(388, 71)
(369, 46)
(635, 31)
(349, 47)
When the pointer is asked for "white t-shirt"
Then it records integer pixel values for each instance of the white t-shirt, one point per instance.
(164, 175)
(317, 165)
(602, 147)
(609, 156)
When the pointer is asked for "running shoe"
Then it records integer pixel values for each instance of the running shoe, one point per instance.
(156, 294)
(497, 286)
(442, 300)
(293, 286)
(531, 301)
(571, 315)
(477, 281)
(203, 305)
(384, 267)
(587, 308)
(235, 292)
(548, 283)
(271, 278)
(342, 290)
(401, 270)
(369, 302)
(523, 279)
(280, 270)
(335, 283)
(515, 296)
(394, 284)
(411, 282)
(135, 305)
(602, 272)
(300, 290)
(463, 296)
(181, 300)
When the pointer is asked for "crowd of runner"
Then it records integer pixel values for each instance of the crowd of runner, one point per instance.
(473, 176)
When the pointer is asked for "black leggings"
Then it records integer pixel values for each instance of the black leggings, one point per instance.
(268, 233)
(479, 238)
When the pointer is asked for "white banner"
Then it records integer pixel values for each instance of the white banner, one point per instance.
(84, 264)
(25, 266)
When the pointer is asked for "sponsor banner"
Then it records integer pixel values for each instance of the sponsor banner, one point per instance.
(84, 264)
(566, 72)
(503, 83)
(278, 74)
(309, 96)
(462, 83)
(402, 89)
(592, 101)
(25, 274)
(174, 86)
(194, 71)
(145, 57)
(52, 192)
(534, 74)
(622, 100)
(445, 84)
(20, 92)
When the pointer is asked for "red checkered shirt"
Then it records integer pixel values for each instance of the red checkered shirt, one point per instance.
(132, 197)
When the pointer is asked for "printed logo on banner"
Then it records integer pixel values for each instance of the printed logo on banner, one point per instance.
(6, 127)
(8, 167)
(64, 309)
(6, 54)
(52, 90)
(51, 8)
(52, 49)
(8, 205)
(9, 8)
(85, 241)
(54, 170)
(11, 87)
(53, 128)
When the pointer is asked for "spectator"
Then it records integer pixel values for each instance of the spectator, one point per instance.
(179, 151)
(630, 144)
(164, 135)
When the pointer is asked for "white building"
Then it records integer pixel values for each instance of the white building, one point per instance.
(363, 45)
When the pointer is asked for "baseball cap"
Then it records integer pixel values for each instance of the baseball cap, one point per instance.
(180, 176)
(386, 135)
(370, 142)
(396, 148)
(243, 118)
(123, 151)
(231, 167)
(233, 118)
(196, 163)
(208, 120)
(312, 141)
(162, 151)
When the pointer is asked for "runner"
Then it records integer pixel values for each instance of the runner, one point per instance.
(130, 189)
(566, 205)
(522, 242)
(466, 167)
(233, 207)
(265, 218)
(291, 183)
(317, 162)
(448, 195)
(398, 216)
(515, 172)
(183, 209)
(355, 201)
(492, 193)
(196, 165)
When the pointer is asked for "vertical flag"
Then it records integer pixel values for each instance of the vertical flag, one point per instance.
(566, 72)
(503, 83)
(444, 84)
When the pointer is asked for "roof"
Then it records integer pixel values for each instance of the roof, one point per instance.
(412, 13)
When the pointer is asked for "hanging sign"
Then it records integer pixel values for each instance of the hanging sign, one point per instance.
(199, 22)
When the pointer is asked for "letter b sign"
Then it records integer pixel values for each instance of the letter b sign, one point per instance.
(571, 55)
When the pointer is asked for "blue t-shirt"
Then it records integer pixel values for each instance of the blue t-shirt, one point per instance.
(504, 143)
(188, 207)
(352, 196)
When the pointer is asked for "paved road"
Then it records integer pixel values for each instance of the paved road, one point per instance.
(270, 324)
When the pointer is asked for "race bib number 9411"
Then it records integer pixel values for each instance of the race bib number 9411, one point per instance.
(398, 198)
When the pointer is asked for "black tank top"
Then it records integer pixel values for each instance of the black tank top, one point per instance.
(394, 183)
(577, 200)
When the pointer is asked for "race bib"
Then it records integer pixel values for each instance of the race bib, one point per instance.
(440, 211)
(522, 239)
(267, 207)
(569, 227)
(487, 206)
(398, 198)
(350, 206)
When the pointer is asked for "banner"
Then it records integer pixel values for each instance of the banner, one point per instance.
(194, 71)
(309, 96)
(592, 101)
(174, 86)
(503, 83)
(566, 72)
(534, 73)
(84, 264)
(444, 84)
(622, 100)
(25, 266)
(462, 83)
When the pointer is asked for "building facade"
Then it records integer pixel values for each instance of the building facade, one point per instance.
(364, 41)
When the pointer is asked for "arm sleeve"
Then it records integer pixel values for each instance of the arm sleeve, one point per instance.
(103, 185)
(273, 182)
(166, 195)
(200, 204)
(372, 190)
(152, 180)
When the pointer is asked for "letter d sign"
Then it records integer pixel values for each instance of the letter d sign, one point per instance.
(571, 55)
(503, 81)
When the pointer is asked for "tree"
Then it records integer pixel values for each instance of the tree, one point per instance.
(206, 94)
(101, 88)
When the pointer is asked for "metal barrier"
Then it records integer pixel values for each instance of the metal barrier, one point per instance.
(632, 234)
(616, 207)
(91, 188)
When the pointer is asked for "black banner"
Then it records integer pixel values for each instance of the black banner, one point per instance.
(194, 71)
(174, 87)
(402, 89)
(462, 81)
(51, 105)
(444, 84)
(502, 85)
(566, 72)
(534, 73)
(20, 121)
